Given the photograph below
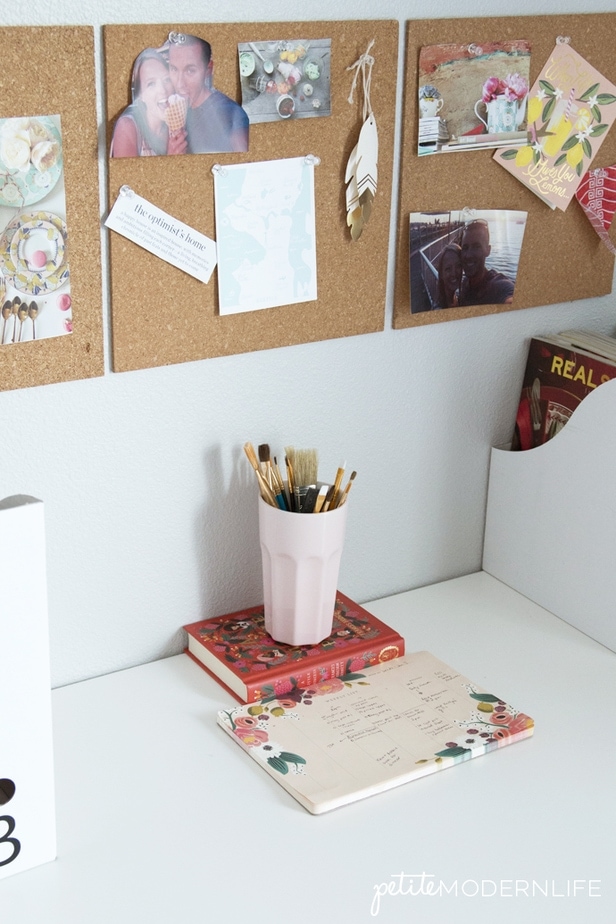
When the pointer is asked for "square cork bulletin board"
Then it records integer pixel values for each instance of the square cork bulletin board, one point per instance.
(161, 315)
(562, 257)
(49, 70)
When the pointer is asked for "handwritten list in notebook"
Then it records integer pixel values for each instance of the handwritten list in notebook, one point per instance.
(357, 735)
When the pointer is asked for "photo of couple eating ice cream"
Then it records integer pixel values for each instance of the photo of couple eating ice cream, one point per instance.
(175, 107)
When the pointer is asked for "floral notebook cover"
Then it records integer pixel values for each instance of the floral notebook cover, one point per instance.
(570, 109)
(360, 734)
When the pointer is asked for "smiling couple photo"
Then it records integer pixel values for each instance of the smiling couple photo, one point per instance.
(175, 107)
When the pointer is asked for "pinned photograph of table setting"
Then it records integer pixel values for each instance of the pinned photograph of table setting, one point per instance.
(285, 79)
(34, 269)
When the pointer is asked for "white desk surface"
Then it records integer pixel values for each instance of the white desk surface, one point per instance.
(162, 819)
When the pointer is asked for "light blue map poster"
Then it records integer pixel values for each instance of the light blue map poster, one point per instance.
(266, 238)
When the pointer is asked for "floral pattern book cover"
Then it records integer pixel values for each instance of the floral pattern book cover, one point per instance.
(357, 735)
(238, 650)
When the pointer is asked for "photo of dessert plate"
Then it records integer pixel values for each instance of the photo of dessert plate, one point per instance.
(6, 267)
(19, 188)
(33, 242)
(31, 234)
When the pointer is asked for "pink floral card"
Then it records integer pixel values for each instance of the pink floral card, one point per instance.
(570, 110)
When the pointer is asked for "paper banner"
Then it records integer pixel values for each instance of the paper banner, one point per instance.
(597, 196)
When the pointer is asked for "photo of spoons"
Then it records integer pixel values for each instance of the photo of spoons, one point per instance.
(22, 314)
(33, 312)
(6, 314)
(14, 310)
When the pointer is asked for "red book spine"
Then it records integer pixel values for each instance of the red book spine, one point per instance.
(324, 666)
(237, 650)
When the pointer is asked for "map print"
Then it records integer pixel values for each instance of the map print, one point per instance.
(265, 229)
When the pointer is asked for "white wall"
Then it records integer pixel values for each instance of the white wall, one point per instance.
(150, 504)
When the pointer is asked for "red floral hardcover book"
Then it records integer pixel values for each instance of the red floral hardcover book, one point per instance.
(241, 655)
(558, 376)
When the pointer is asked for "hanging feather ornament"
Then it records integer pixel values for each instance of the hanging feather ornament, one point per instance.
(361, 172)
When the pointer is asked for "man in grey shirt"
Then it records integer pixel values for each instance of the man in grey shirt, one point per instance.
(214, 122)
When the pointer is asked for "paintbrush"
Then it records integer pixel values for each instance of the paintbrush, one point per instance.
(328, 499)
(281, 483)
(323, 490)
(338, 481)
(305, 465)
(309, 498)
(266, 492)
(266, 464)
(270, 476)
(345, 493)
(290, 482)
(305, 473)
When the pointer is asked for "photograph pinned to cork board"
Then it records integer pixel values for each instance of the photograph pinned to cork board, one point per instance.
(562, 258)
(162, 315)
(50, 272)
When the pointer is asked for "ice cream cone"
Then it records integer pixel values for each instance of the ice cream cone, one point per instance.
(175, 113)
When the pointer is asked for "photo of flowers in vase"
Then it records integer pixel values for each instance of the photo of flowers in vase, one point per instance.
(472, 96)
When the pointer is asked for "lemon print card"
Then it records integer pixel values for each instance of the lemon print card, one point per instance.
(570, 110)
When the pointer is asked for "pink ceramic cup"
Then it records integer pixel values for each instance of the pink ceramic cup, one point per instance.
(300, 554)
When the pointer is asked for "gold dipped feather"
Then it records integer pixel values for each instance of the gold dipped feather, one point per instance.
(361, 172)
(361, 177)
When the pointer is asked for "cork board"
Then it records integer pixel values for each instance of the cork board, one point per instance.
(562, 258)
(50, 70)
(162, 316)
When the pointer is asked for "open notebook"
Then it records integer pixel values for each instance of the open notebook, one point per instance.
(368, 731)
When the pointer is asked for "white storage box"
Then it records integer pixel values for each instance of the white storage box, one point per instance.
(27, 808)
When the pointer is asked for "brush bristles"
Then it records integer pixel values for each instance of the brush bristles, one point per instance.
(305, 464)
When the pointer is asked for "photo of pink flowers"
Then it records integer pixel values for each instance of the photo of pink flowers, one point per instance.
(472, 96)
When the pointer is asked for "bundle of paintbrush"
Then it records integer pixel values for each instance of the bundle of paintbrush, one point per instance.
(302, 492)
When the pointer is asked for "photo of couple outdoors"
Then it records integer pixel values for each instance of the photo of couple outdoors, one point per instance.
(460, 259)
(175, 107)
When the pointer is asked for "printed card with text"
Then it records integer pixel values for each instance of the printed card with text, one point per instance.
(570, 110)
(142, 222)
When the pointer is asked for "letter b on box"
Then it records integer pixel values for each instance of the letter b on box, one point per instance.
(27, 806)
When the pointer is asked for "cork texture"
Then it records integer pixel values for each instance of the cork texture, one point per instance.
(161, 315)
(562, 257)
(46, 71)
